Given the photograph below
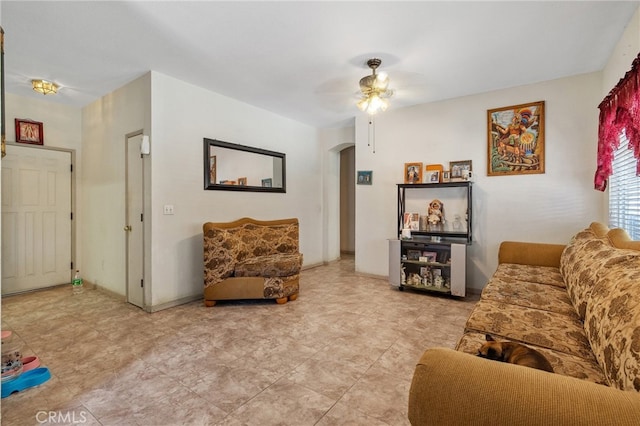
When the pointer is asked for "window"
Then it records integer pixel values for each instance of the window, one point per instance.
(624, 191)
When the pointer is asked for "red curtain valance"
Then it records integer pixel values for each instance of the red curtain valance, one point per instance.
(619, 110)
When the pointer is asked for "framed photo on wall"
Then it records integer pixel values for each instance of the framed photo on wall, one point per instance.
(28, 131)
(365, 177)
(515, 139)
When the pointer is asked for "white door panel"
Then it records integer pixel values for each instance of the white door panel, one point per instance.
(36, 218)
(134, 226)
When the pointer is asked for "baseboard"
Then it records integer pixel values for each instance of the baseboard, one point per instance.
(314, 265)
(374, 276)
(173, 304)
(91, 286)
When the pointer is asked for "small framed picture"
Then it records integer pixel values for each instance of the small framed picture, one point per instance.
(28, 131)
(457, 169)
(412, 221)
(432, 176)
(430, 256)
(413, 254)
(364, 177)
(242, 181)
(267, 183)
(446, 176)
(412, 172)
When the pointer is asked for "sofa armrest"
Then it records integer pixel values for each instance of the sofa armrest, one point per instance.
(538, 254)
(451, 387)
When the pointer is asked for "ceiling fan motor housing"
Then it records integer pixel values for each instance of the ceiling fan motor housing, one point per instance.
(367, 82)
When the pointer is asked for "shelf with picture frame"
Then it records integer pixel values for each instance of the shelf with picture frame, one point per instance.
(432, 259)
(446, 233)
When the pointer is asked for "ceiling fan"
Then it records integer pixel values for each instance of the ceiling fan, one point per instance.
(375, 89)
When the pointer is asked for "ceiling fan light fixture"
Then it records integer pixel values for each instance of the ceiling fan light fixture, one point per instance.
(45, 87)
(374, 89)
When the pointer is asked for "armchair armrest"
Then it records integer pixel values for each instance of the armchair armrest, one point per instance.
(451, 387)
(538, 254)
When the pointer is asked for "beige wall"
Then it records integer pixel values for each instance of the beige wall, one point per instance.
(184, 114)
(547, 207)
(104, 126)
(625, 52)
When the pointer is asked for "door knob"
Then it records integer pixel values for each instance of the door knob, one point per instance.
(127, 228)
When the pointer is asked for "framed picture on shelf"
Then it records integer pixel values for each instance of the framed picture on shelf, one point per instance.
(515, 139)
(457, 168)
(412, 221)
(365, 177)
(267, 183)
(430, 256)
(242, 181)
(28, 131)
(413, 254)
(432, 176)
(412, 172)
(446, 176)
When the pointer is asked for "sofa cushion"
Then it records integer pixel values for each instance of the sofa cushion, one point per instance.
(620, 239)
(562, 363)
(275, 265)
(278, 287)
(599, 229)
(546, 329)
(612, 321)
(220, 251)
(273, 239)
(580, 263)
(514, 291)
(530, 273)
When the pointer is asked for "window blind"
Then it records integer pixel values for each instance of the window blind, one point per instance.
(624, 191)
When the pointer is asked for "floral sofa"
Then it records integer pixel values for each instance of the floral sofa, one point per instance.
(251, 259)
(577, 304)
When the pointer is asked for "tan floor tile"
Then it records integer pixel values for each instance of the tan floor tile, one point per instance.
(342, 354)
(283, 403)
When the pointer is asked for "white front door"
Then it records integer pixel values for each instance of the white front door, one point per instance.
(36, 218)
(135, 222)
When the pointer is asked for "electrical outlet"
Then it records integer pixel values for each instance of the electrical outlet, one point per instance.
(168, 209)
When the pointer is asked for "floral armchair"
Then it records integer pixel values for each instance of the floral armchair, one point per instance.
(251, 259)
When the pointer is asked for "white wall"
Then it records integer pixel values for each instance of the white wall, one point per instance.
(623, 54)
(183, 115)
(546, 207)
(104, 126)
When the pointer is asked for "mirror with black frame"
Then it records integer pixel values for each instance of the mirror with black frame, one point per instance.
(232, 167)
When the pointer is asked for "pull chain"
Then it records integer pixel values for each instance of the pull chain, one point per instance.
(372, 133)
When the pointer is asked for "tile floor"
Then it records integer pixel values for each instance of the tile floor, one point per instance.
(343, 353)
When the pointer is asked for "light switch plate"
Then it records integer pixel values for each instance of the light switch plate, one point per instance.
(168, 209)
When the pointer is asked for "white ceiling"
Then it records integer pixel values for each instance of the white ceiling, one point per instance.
(303, 60)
